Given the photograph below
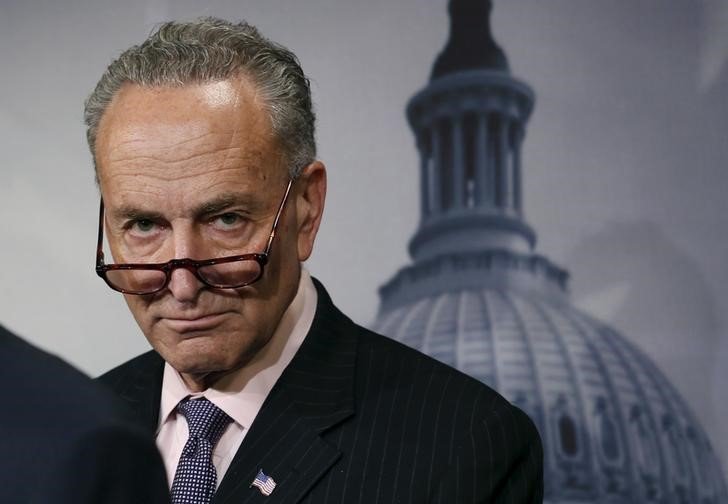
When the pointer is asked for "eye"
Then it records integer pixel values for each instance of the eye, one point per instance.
(228, 220)
(143, 226)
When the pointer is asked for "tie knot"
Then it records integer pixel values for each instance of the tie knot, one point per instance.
(204, 419)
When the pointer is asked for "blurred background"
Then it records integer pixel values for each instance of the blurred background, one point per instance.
(624, 161)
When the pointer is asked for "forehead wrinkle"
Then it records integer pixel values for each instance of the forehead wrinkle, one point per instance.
(241, 151)
(143, 148)
(162, 182)
(231, 154)
(186, 167)
(125, 189)
(121, 193)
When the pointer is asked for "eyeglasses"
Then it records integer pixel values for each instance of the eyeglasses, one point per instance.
(231, 272)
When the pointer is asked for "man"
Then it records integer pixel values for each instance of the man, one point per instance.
(64, 440)
(258, 389)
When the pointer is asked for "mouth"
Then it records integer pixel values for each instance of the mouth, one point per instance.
(192, 324)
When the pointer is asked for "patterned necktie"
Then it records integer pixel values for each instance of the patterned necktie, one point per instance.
(195, 479)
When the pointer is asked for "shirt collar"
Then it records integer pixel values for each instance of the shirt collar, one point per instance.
(242, 393)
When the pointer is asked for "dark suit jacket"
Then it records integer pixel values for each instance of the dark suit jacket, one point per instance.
(63, 438)
(359, 418)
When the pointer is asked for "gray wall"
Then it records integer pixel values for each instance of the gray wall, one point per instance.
(624, 161)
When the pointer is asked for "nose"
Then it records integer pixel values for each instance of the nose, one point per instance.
(183, 284)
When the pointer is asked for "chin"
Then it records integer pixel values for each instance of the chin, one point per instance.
(220, 350)
(192, 355)
(205, 354)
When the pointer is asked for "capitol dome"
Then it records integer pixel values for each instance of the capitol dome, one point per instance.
(478, 298)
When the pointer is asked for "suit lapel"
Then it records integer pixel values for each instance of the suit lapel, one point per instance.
(313, 395)
(141, 389)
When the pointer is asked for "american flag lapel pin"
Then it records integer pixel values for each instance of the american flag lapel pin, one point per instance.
(264, 483)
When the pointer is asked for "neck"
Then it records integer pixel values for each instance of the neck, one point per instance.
(200, 382)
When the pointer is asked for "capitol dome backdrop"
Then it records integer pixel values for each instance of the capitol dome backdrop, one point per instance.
(479, 297)
(624, 178)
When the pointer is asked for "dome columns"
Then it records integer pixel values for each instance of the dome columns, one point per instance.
(469, 128)
(470, 160)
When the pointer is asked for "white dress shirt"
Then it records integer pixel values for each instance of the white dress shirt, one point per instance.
(239, 394)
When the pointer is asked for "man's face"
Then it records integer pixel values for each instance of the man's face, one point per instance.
(196, 172)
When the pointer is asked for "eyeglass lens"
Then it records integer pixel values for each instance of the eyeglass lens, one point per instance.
(224, 276)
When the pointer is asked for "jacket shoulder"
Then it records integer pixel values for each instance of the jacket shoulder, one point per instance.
(69, 438)
(51, 386)
(403, 364)
(457, 436)
(118, 378)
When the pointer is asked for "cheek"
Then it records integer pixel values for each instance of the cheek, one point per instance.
(282, 270)
(138, 307)
(287, 243)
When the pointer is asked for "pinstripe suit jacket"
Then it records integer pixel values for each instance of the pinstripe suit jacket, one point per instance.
(359, 418)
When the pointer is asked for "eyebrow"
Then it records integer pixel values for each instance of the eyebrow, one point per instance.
(227, 200)
(251, 205)
(210, 207)
(128, 212)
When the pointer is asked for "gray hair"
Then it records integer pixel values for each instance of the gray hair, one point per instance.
(208, 50)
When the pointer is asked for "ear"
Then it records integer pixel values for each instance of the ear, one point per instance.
(310, 196)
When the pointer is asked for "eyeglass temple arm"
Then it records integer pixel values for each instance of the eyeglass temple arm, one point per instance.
(100, 243)
(278, 216)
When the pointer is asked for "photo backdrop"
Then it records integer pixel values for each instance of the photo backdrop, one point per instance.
(624, 161)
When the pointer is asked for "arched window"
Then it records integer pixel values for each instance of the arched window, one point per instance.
(567, 434)
(566, 430)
